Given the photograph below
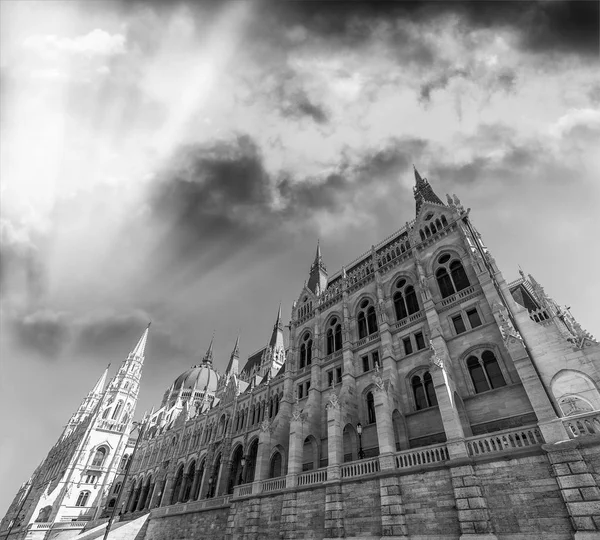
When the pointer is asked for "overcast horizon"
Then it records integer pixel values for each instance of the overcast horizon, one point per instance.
(176, 162)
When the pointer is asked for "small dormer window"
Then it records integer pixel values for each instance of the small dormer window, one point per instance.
(428, 216)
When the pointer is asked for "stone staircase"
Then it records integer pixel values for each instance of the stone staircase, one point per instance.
(125, 530)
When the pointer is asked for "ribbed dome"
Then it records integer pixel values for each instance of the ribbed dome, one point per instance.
(201, 376)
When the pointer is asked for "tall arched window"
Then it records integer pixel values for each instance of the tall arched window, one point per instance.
(450, 275)
(371, 418)
(485, 372)
(405, 300)
(99, 457)
(366, 319)
(177, 485)
(83, 498)
(423, 391)
(117, 410)
(306, 351)
(334, 336)
(275, 466)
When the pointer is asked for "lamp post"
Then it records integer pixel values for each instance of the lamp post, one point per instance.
(242, 465)
(210, 487)
(361, 454)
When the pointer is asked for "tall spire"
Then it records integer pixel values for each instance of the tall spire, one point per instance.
(99, 388)
(140, 348)
(277, 335)
(233, 366)
(317, 280)
(208, 357)
(423, 191)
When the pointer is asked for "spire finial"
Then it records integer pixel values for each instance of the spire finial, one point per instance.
(209, 352)
(141, 346)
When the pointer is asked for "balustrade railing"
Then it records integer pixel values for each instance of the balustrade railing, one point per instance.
(504, 440)
(360, 468)
(273, 484)
(421, 456)
(460, 295)
(39, 526)
(583, 425)
(312, 477)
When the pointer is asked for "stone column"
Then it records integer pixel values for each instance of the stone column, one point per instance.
(184, 481)
(157, 494)
(289, 516)
(334, 511)
(473, 514)
(168, 489)
(444, 391)
(295, 448)
(335, 445)
(149, 496)
(129, 497)
(385, 428)
(195, 484)
(393, 514)
(578, 488)
(262, 455)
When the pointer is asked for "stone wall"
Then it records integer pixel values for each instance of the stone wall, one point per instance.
(514, 497)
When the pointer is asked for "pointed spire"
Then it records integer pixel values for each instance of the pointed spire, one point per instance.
(277, 335)
(208, 357)
(318, 273)
(423, 191)
(140, 348)
(99, 388)
(233, 366)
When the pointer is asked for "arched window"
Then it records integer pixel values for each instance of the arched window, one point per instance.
(371, 418)
(423, 391)
(106, 413)
(99, 457)
(334, 336)
(444, 221)
(306, 351)
(485, 372)
(275, 466)
(177, 485)
(117, 410)
(405, 300)
(451, 276)
(83, 498)
(367, 319)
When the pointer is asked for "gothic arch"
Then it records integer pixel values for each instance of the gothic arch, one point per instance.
(408, 275)
(453, 249)
(310, 453)
(330, 316)
(355, 305)
(575, 392)
(276, 451)
(349, 443)
(481, 346)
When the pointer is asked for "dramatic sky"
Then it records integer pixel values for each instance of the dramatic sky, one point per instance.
(176, 162)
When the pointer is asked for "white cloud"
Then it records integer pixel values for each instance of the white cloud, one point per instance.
(95, 43)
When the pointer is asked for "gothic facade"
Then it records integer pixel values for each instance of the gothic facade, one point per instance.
(416, 361)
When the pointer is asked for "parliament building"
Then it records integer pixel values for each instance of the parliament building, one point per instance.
(417, 395)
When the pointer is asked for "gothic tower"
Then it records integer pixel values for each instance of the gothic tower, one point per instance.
(73, 483)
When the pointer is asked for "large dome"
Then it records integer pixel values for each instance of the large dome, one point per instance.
(202, 377)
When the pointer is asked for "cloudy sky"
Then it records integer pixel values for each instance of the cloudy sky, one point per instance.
(176, 162)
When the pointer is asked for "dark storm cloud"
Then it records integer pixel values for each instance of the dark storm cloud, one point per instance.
(541, 27)
(43, 332)
(222, 193)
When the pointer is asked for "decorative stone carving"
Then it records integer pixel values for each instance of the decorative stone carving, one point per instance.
(377, 378)
(507, 329)
(297, 413)
(333, 401)
(266, 426)
(437, 359)
(458, 204)
(425, 292)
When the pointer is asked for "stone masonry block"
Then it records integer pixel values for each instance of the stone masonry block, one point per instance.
(576, 480)
(477, 502)
(481, 527)
(462, 471)
(470, 481)
(464, 492)
(560, 469)
(462, 504)
(572, 495)
(578, 467)
(584, 508)
(472, 515)
(583, 524)
(590, 493)
(564, 456)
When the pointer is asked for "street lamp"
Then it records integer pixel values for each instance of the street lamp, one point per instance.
(361, 454)
(242, 465)
(210, 487)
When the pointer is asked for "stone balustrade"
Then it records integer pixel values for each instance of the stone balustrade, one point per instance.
(421, 456)
(312, 477)
(583, 425)
(273, 484)
(360, 468)
(501, 441)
